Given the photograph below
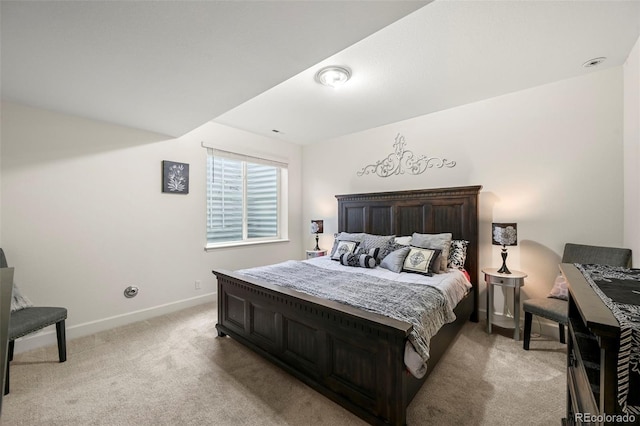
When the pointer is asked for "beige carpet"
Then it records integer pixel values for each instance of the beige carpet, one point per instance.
(173, 370)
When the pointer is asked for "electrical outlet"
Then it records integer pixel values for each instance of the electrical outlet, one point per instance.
(198, 282)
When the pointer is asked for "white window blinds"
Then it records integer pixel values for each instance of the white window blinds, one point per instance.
(243, 197)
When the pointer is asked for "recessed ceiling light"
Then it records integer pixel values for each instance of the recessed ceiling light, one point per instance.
(594, 62)
(333, 76)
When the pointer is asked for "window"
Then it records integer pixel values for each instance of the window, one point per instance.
(244, 199)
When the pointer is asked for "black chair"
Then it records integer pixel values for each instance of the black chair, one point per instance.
(556, 309)
(31, 319)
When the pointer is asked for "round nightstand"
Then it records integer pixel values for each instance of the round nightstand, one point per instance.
(315, 253)
(515, 280)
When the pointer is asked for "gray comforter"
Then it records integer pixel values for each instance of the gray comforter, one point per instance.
(423, 306)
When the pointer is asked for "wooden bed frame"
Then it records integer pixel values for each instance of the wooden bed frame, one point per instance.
(351, 356)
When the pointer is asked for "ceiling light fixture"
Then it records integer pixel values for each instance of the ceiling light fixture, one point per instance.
(594, 62)
(333, 76)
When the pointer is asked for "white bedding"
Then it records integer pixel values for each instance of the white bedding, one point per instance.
(453, 284)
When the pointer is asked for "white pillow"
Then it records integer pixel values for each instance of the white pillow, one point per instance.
(405, 241)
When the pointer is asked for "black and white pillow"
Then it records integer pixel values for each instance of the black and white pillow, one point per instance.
(457, 254)
(373, 252)
(421, 260)
(358, 260)
(343, 247)
(345, 236)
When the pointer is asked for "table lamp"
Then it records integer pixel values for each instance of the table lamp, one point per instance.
(504, 234)
(317, 227)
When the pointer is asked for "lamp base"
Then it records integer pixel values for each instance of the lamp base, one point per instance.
(504, 269)
(317, 247)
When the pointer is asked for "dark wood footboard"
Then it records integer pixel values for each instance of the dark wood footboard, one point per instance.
(353, 357)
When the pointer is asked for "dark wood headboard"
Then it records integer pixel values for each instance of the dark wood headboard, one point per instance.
(426, 211)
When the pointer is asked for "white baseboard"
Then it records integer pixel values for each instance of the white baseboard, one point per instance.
(47, 336)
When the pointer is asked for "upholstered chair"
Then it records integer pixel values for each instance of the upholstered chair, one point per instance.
(29, 319)
(555, 307)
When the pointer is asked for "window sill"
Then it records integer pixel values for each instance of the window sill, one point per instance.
(211, 247)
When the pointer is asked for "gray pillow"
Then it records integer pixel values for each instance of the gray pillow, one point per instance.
(389, 248)
(376, 241)
(435, 241)
(358, 236)
(395, 260)
(371, 242)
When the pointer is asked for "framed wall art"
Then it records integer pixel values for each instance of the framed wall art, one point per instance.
(175, 177)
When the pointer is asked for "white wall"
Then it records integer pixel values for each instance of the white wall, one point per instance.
(83, 216)
(632, 153)
(549, 158)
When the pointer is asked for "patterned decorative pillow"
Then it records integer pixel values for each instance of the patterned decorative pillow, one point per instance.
(390, 247)
(345, 236)
(560, 289)
(344, 247)
(441, 242)
(373, 252)
(358, 260)
(457, 254)
(373, 241)
(421, 260)
(394, 260)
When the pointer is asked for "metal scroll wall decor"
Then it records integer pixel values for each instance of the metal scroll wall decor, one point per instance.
(403, 161)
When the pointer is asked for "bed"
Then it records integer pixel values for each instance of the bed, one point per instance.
(352, 356)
